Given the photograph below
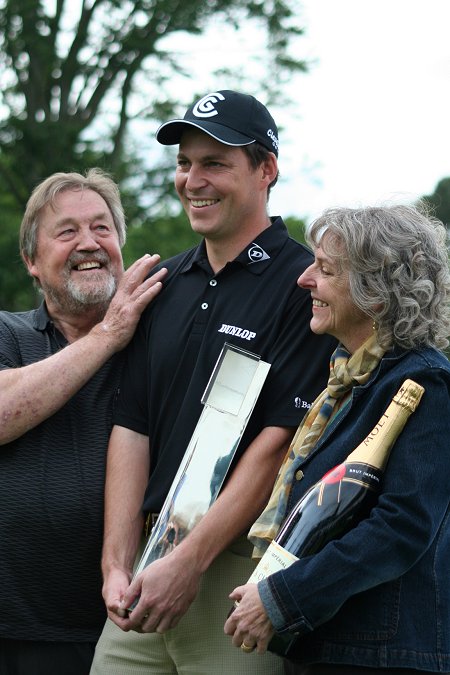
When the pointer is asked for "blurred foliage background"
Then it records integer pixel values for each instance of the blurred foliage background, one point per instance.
(84, 82)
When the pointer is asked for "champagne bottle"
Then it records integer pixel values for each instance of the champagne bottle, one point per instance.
(344, 496)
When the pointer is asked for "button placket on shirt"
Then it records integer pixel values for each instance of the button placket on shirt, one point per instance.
(212, 283)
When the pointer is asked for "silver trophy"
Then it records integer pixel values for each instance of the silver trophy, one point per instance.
(229, 399)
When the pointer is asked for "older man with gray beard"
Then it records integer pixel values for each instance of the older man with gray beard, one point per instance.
(59, 371)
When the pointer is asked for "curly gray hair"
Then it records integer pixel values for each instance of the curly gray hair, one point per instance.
(46, 193)
(398, 265)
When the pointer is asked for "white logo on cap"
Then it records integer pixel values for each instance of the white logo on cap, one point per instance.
(205, 107)
(274, 139)
(257, 254)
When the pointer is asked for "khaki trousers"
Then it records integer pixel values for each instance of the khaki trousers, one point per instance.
(197, 645)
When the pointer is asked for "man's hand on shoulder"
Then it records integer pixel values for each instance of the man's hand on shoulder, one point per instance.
(135, 291)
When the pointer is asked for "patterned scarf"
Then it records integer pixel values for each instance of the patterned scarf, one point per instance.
(346, 371)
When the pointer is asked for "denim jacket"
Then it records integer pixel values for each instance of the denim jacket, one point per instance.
(380, 595)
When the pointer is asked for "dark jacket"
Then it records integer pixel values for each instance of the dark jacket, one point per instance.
(380, 595)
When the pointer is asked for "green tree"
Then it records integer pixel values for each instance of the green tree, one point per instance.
(296, 228)
(16, 288)
(76, 76)
(440, 201)
(166, 235)
(72, 81)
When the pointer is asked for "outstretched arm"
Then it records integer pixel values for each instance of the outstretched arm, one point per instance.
(30, 394)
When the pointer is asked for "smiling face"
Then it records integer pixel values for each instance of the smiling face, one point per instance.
(223, 196)
(334, 312)
(78, 262)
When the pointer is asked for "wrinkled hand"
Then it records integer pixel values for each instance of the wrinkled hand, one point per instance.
(166, 588)
(133, 294)
(249, 622)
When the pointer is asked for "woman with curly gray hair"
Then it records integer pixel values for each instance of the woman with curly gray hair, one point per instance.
(377, 599)
(398, 271)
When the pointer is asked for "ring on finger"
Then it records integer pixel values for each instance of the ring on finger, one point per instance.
(247, 648)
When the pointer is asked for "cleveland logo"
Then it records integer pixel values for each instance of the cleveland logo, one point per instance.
(205, 107)
(273, 138)
(238, 332)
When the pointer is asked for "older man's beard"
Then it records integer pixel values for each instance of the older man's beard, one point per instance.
(75, 299)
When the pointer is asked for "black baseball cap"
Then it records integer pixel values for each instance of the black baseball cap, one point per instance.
(229, 117)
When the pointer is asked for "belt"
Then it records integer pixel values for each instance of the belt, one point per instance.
(149, 522)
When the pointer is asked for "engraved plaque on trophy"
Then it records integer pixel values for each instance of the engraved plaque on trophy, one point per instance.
(229, 399)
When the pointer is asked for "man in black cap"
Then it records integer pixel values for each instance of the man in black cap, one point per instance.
(231, 118)
(237, 286)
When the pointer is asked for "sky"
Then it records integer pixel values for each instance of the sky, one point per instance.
(369, 123)
(374, 113)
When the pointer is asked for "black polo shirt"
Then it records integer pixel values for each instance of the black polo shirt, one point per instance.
(253, 302)
(51, 499)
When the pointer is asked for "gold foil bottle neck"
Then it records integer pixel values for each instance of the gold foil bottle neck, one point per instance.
(375, 448)
(409, 395)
